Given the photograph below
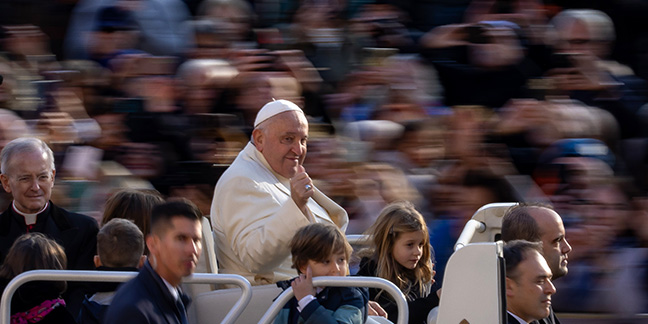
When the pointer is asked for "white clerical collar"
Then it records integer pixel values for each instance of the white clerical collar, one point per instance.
(30, 219)
(517, 318)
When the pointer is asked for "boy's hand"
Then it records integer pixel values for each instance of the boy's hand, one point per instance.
(303, 285)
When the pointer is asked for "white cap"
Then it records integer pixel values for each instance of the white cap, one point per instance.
(273, 108)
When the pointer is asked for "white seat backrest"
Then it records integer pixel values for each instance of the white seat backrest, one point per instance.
(485, 225)
(212, 306)
(206, 264)
(209, 249)
(377, 320)
(473, 286)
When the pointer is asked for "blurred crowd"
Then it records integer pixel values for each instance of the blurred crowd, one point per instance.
(448, 104)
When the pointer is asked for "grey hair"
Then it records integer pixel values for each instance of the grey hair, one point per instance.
(598, 23)
(22, 145)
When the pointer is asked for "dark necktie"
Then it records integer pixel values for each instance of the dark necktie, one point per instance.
(182, 311)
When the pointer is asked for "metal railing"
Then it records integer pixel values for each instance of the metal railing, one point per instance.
(121, 276)
(355, 281)
(472, 226)
(358, 239)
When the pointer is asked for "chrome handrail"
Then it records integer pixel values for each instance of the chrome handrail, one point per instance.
(121, 276)
(354, 281)
(358, 239)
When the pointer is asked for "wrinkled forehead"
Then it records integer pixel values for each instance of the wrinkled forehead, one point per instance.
(288, 122)
(34, 154)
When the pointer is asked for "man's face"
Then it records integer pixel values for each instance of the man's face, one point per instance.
(176, 250)
(528, 294)
(29, 179)
(554, 244)
(283, 142)
(502, 49)
(575, 38)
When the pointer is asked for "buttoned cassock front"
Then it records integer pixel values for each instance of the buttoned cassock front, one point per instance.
(254, 218)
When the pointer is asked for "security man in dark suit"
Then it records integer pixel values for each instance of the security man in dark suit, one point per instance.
(528, 282)
(154, 296)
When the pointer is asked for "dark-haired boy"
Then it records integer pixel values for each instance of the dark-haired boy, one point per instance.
(120, 247)
(321, 249)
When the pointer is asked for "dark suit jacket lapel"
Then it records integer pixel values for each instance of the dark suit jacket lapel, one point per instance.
(511, 319)
(160, 295)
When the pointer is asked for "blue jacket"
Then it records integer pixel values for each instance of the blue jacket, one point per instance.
(333, 305)
(144, 299)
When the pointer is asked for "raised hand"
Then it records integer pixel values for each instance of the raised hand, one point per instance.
(303, 285)
(301, 188)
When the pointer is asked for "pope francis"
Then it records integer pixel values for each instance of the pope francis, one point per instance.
(265, 196)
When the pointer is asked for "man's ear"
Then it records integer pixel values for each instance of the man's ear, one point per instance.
(53, 177)
(511, 286)
(151, 243)
(258, 138)
(5, 182)
(97, 261)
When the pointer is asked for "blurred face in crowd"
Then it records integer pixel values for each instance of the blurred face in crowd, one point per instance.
(234, 21)
(29, 178)
(176, 249)
(501, 48)
(575, 38)
(529, 290)
(554, 244)
(145, 160)
(282, 141)
(606, 215)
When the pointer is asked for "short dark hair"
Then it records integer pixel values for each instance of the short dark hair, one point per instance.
(515, 252)
(120, 243)
(162, 214)
(518, 224)
(317, 242)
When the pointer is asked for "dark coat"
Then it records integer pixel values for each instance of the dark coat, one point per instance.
(510, 319)
(144, 299)
(551, 319)
(76, 233)
(419, 307)
(332, 305)
(93, 312)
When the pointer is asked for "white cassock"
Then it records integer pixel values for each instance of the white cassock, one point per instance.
(254, 218)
